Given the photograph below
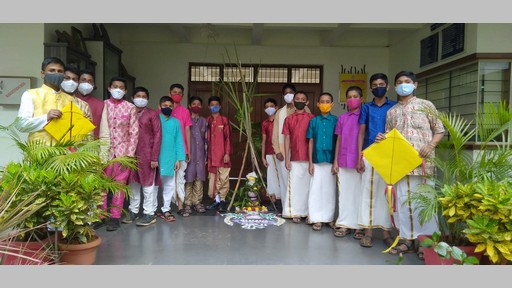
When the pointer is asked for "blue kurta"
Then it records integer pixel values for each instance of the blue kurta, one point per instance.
(172, 145)
(321, 129)
(374, 117)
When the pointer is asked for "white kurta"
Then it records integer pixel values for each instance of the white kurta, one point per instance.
(295, 202)
(406, 210)
(322, 194)
(273, 187)
(374, 212)
(349, 198)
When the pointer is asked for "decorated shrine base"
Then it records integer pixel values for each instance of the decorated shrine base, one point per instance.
(253, 219)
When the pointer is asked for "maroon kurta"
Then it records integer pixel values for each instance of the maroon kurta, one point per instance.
(266, 129)
(96, 106)
(296, 125)
(148, 147)
(196, 166)
(219, 142)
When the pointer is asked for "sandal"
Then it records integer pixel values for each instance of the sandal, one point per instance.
(366, 241)
(403, 246)
(420, 254)
(388, 241)
(341, 232)
(296, 220)
(358, 235)
(167, 216)
(200, 208)
(188, 209)
(183, 213)
(317, 226)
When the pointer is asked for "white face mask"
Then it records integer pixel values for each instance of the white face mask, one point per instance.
(405, 89)
(270, 111)
(69, 86)
(288, 98)
(140, 102)
(85, 88)
(117, 93)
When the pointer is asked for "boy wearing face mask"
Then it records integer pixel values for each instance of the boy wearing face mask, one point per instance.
(268, 156)
(172, 154)
(321, 147)
(85, 87)
(219, 151)
(40, 105)
(195, 174)
(70, 85)
(148, 150)
(296, 155)
(119, 129)
(344, 165)
(412, 118)
(374, 211)
(183, 115)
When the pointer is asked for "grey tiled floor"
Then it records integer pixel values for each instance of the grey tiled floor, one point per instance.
(207, 240)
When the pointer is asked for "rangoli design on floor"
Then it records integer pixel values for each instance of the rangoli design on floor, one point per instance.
(253, 219)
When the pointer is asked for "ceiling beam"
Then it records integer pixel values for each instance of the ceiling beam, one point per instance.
(332, 36)
(257, 33)
(181, 32)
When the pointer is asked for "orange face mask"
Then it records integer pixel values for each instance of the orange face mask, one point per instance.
(325, 108)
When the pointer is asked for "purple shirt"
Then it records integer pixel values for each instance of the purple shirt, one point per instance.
(96, 106)
(197, 165)
(183, 115)
(347, 129)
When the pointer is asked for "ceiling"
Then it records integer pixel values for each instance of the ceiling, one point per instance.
(302, 34)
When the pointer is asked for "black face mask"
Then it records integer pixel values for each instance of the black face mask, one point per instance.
(299, 105)
(166, 111)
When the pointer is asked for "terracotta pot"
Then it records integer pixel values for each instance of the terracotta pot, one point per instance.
(432, 258)
(79, 254)
(37, 251)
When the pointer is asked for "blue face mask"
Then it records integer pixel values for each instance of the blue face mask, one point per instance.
(215, 109)
(167, 111)
(405, 89)
(379, 92)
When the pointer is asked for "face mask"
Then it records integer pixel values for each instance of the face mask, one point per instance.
(288, 98)
(379, 92)
(140, 102)
(69, 86)
(270, 111)
(325, 108)
(176, 98)
(195, 109)
(167, 111)
(117, 93)
(215, 109)
(299, 105)
(85, 88)
(54, 78)
(353, 103)
(405, 89)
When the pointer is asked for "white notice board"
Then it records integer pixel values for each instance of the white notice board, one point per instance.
(11, 89)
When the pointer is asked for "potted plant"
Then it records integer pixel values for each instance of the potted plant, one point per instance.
(471, 193)
(441, 253)
(72, 183)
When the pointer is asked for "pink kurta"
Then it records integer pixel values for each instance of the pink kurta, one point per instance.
(148, 147)
(296, 125)
(183, 115)
(96, 105)
(123, 126)
(219, 142)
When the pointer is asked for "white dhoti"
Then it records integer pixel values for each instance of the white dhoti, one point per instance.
(273, 187)
(283, 174)
(322, 194)
(374, 212)
(295, 202)
(349, 198)
(406, 209)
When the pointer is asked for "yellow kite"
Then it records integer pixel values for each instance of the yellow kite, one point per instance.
(393, 158)
(72, 124)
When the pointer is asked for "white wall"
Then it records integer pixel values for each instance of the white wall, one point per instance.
(21, 54)
(494, 38)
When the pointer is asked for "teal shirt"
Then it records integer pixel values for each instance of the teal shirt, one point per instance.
(172, 148)
(321, 129)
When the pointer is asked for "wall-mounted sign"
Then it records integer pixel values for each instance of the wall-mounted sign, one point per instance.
(11, 89)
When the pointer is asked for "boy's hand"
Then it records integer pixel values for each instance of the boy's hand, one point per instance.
(177, 166)
(154, 164)
(187, 158)
(311, 169)
(380, 137)
(53, 114)
(335, 168)
(226, 158)
(360, 166)
(288, 165)
(280, 156)
(265, 162)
